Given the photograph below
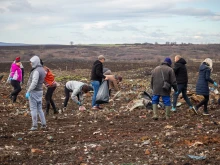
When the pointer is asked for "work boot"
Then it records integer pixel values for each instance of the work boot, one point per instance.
(167, 108)
(55, 111)
(155, 112)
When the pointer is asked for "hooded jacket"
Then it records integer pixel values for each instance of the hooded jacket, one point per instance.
(16, 73)
(157, 79)
(181, 71)
(97, 71)
(202, 87)
(76, 88)
(37, 75)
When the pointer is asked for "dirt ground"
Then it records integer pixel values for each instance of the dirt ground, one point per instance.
(112, 136)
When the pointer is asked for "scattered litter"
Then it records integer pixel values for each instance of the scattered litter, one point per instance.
(197, 157)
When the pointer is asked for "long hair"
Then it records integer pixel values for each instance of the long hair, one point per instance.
(208, 61)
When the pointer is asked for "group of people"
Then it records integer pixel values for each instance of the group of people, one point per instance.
(164, 77)
(41, 74)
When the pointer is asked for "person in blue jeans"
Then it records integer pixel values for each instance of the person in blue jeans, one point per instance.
(162, 73)
(96, 79)
(181, 74)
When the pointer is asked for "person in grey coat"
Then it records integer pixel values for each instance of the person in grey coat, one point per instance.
(202, 85)
(157, 83)
(35, 92)
(78, 89)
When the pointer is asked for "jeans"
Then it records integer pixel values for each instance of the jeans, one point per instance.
(49, 100)
(181, 88)
(35, 102)
(95, 85)
(166, 100)
(204, 102)
(17, 89)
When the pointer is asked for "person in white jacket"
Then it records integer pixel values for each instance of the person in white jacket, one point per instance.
(77, 89)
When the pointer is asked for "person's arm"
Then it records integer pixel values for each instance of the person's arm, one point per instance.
(13, 70)
(115, 84)
(207, 76)
(74, 95)
(176, 68)
(34, 82)
(173, 80)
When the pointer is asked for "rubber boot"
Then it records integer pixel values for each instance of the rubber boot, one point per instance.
(155, 112)
(167, 108)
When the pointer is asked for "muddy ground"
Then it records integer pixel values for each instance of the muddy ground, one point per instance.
(112, 136)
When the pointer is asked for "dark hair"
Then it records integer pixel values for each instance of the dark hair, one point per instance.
(86, 88)
(41, 62)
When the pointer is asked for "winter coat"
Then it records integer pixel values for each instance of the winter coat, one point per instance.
(157, 79)
(76, 88)
(113, 83)
(181, 71)
(202, 87)
(37, 75)
(97, 71)
(16, 72)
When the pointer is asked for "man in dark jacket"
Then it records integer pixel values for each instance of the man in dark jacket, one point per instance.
(161, 74)
(96, 78)
(182, 81)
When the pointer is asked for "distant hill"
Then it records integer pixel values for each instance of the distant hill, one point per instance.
(12, 44)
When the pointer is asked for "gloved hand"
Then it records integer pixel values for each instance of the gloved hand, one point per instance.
(176, 93)
(10, 78)
(215, 84)
(27, 95)
(79, 103)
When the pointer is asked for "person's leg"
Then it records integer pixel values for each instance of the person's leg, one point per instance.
(167, 103)
(206, 100)
(175, 96)
(201, 103)
(155, 102)
(184, 93)
(52, 102)
(67, 96)
(95, 85)
(17, 89)
(47, 98)
(39, 108)
(33, 108)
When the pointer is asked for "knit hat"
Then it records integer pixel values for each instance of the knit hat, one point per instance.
(168, 60)
(17, 59)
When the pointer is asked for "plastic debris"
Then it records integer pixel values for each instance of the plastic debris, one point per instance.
(197, 157)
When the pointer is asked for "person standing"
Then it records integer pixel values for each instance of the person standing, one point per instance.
(202, 87)
(35, 92)
(180, 71)
(162, 73)
(15, 78)
(96, 79)
(78, 89)
(51, 85)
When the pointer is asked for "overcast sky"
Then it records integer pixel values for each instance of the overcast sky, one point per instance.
(109, 21)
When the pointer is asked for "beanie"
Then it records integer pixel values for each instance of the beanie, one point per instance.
(17, 59)
(168, 60)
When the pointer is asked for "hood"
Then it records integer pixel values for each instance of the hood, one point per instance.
(35, 61)
(203, 66)
(182, 61)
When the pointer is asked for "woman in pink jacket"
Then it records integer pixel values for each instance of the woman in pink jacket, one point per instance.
(15, 78)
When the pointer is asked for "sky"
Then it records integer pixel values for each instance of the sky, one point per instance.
(109, 21)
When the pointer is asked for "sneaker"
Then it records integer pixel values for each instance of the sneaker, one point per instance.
(95, 108)
(206, 114)
(99, 107)
(173, 109)
(195, 110)
(43, 127)
(33, 129)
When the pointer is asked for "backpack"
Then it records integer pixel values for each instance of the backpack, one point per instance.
(49, 78)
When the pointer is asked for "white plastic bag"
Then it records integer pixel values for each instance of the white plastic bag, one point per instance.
(103, 93)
